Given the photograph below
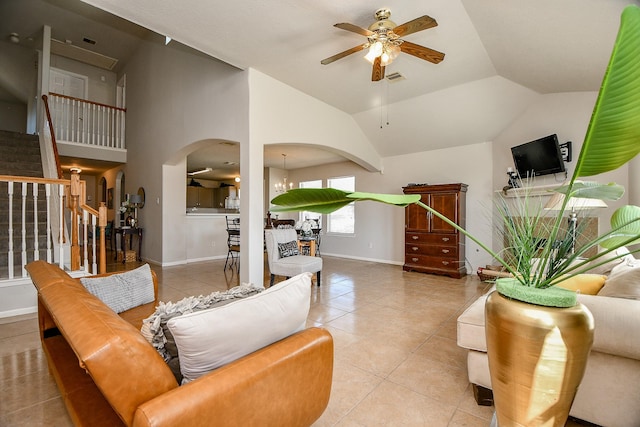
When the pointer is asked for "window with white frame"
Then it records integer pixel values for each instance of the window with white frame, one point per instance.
(306, 215)
(343, 220)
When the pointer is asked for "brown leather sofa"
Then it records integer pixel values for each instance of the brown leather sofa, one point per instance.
(109, 375)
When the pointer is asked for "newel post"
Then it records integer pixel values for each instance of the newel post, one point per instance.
(102, 223)
(73, 206)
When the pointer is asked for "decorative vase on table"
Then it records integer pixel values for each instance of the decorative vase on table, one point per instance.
(537, 356)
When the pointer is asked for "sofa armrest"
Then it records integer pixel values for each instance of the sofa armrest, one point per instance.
(286, 383)
(616, 325)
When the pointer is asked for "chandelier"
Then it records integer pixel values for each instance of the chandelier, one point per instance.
(283, 186)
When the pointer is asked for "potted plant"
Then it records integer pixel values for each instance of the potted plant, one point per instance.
(527, 396)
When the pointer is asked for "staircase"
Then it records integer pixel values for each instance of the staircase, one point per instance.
(20, 156)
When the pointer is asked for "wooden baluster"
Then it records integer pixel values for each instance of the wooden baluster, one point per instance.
(10, 255)
(47, 189)
(24, 228)
(103, 117)
(77, 122)
(85, 240)
(73, 206)
(36, 243)
(61, 227)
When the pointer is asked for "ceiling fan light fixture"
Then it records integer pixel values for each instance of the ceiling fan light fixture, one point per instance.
(375, 50)
(391, 52)
(384, 39)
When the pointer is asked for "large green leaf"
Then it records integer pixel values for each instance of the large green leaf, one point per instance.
(320, 200)
(402, 200)
(613, 136)
(625, 228)
(593, 190)
(328, 200)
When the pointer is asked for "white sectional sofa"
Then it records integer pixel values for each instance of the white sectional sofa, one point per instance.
(609, 394)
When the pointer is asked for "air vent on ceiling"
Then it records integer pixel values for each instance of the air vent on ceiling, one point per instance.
(82, 55)
(88, 40)
(395, 77)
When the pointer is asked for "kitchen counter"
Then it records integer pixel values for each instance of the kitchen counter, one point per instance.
(212, 211)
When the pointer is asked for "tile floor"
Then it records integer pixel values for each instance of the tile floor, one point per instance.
(396, 359)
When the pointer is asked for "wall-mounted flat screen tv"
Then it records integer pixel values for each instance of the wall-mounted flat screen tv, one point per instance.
(539, 157)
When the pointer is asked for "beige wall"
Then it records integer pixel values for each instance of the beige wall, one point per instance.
(379, 232)
(176, 100)
(567, 115)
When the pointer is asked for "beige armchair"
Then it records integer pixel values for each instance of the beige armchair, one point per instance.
(288, 266)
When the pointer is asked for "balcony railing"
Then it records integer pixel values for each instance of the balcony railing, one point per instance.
(87, 122)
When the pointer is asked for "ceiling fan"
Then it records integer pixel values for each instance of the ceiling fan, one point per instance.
(384, 42)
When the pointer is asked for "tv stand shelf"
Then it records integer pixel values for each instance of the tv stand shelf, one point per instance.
(533, 191)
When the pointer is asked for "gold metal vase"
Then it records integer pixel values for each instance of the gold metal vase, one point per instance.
(537, 357)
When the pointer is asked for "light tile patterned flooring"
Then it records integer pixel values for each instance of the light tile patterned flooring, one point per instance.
(396, 359)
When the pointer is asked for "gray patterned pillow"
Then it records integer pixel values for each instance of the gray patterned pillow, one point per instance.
(288, 249)
(123, 291)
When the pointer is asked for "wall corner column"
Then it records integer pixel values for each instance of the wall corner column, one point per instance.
(251, 211)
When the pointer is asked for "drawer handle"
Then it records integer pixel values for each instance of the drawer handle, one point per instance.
(445, 239)
(445, 262)
(445, 251)
(414, 237)
(415, 259)
(415, 248)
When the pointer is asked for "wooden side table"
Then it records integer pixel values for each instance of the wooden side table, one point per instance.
(123, 232)
(309, 242)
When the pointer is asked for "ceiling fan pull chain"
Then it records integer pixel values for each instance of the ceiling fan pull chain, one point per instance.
(384, 104)
(382, 101)
(386, 84)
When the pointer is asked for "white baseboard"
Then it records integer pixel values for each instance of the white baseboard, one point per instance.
(18, 312)
(380, 261)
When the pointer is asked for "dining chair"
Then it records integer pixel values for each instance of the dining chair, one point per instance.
(233, 242)
(283, 256)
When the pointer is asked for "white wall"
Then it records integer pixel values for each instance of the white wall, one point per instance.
(17, 71)
(567, 115)
(176, 98)
(456, 116)
(13, 116)
(382, 226)
(101, 83)
(286, 115)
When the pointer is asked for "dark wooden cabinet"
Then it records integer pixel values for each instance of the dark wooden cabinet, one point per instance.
(431, 244)
(200, 197)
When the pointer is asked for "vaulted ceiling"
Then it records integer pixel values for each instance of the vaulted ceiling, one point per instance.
(499, 55)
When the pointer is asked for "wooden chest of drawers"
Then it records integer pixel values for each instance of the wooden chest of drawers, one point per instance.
(432, 245)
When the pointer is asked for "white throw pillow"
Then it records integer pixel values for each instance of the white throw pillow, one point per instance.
(123, 291)
(624, 282)
(212, 338)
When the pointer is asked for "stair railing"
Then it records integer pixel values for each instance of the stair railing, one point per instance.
(84, 220)
(45, 100)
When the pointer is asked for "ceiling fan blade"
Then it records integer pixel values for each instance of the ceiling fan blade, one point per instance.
(422, 52)
(423, 23)
(340, 55)
(378, 70)
(354, 29)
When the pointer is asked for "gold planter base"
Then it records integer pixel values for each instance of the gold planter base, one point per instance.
(537, 357)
